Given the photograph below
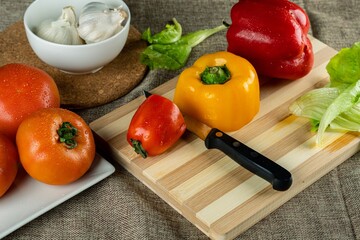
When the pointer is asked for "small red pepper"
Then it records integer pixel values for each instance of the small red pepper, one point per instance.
(272, 35)
(156, 125)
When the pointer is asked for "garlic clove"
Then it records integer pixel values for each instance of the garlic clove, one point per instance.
(98, 22)
(68, 15)
(63, 30)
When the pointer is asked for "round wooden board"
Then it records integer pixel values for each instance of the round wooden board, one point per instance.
(81, 91)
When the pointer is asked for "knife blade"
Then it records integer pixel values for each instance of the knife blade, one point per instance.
(258, 164)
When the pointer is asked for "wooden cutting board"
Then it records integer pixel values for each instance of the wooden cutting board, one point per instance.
(209, 189)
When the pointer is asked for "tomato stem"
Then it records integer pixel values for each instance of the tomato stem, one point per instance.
(67, 133)
(138, 148)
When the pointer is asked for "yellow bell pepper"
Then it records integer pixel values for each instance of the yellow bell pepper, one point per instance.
(221, 90)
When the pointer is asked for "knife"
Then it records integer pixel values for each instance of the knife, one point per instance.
(248, 158)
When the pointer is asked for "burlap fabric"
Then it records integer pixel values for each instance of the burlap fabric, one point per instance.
(120, 207)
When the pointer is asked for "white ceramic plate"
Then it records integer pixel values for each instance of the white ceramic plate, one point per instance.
(27, 199)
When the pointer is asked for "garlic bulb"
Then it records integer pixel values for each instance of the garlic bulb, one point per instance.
(63, 30)
(98, 22)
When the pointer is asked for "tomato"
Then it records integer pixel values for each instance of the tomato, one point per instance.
(155, 127)
(9, 159)
(24, 89)
(55, 146)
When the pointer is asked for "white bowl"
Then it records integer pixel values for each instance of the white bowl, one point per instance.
(75, 59)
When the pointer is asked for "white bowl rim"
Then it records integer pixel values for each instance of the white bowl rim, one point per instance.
(127, 25)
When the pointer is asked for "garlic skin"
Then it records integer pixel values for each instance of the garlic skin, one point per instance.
(63, 30)
(98, 22)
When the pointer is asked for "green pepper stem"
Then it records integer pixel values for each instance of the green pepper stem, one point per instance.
(67, 133)
(138, 147)
(215, 75)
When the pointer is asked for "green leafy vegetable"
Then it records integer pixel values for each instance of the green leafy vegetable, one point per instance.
(345, 66)
(346, 100)
(336, 105)
(170, 34)
(313, 104)
(195, 38)
(170, 50)
(349, 120)
(166, 56)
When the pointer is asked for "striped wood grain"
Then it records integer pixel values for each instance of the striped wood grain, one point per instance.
(207, 187)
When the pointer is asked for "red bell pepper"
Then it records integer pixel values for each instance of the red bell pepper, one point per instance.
(272, 35)
(156, 125)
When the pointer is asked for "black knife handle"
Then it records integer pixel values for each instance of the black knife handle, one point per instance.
(253, 161)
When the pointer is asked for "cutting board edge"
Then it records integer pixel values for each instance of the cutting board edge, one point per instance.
(242, 227)
(109, 152)
(297, 188)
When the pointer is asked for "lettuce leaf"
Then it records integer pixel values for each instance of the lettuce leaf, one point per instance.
(344, 67)
(169, 49)
(170, 34)
(337, 105)
(343, 103)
